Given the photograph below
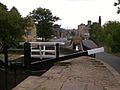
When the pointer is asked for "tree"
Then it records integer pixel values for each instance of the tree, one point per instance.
(11, 26)
(117, 5)
(3, 7)
(44, 20)
(116, 38)
(72, 33)
(96, 33)
(108, 41)
(112, 35)
(17, 24)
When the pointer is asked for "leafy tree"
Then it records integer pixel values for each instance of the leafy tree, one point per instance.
(17, 24)
(112, 35)
(96, 33)
(116, 44)
(11, 26)
(108, 41)
(108, 34)
(3, 7)
(44, 20)
(72, 33)
(28, 21)
(117, 5)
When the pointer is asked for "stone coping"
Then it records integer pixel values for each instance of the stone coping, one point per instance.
(83, 73)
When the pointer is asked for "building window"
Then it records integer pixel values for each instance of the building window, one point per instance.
(29, 33)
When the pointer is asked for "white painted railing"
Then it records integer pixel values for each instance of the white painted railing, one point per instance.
(43, 49)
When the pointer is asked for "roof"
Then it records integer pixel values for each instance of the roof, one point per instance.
(89, 44)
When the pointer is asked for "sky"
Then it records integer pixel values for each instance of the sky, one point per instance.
(71, 12)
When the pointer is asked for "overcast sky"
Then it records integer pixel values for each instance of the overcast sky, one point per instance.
(72, 12)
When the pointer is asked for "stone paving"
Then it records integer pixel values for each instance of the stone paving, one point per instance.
(83, 73)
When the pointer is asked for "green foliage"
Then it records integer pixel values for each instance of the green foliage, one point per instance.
(117, 5)
(28, 21)
(96, 33)
(11, 26)
(112, 38)
(108, 35)
(72, 34)
(3, 7)
(44, 20)
(109, 40)
(116, 39)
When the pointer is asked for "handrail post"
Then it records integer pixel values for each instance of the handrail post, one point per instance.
(43, 50)
(40, 48)
(27, 55)
(57, 50)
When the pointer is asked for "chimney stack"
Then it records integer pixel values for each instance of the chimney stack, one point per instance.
(89, 22)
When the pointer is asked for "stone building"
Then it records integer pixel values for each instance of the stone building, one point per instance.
(30, 32)
(83, 30)
(59, 32)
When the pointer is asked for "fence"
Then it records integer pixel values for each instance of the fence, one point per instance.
(10, 76)
(40, 50)
(45, 49)
(5, 64)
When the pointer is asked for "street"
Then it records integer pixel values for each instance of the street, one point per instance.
(110, 59)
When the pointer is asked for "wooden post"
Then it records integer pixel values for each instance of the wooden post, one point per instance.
(27, 55)
(57, 50)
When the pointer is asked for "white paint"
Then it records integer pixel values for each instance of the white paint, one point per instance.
(76, 48)
(42, 51)
(96, 50)
(47, 43)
